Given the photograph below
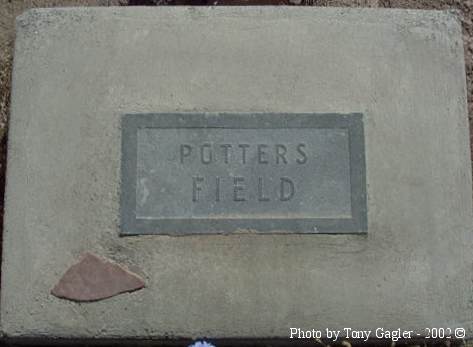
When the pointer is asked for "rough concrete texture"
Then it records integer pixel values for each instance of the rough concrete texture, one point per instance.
(78, 70)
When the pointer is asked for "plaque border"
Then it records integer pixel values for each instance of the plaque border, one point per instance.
(353, 122)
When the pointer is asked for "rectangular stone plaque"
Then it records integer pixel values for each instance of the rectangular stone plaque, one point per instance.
(211, 173)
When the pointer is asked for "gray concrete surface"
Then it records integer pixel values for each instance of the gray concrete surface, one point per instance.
(78, 70)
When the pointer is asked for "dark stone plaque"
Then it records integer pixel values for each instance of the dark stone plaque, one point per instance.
(212, 173)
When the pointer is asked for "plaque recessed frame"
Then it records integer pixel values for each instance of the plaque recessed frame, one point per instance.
(353, 122)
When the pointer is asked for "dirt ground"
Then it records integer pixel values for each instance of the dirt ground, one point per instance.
(9, 9)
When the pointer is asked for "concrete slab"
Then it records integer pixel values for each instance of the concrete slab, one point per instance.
(77, 71)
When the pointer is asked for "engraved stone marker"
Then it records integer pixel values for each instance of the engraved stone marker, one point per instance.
(184, 173)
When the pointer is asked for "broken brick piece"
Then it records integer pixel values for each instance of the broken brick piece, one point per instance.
(94, 278)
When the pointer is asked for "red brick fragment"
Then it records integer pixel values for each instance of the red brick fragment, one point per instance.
(94, 278)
